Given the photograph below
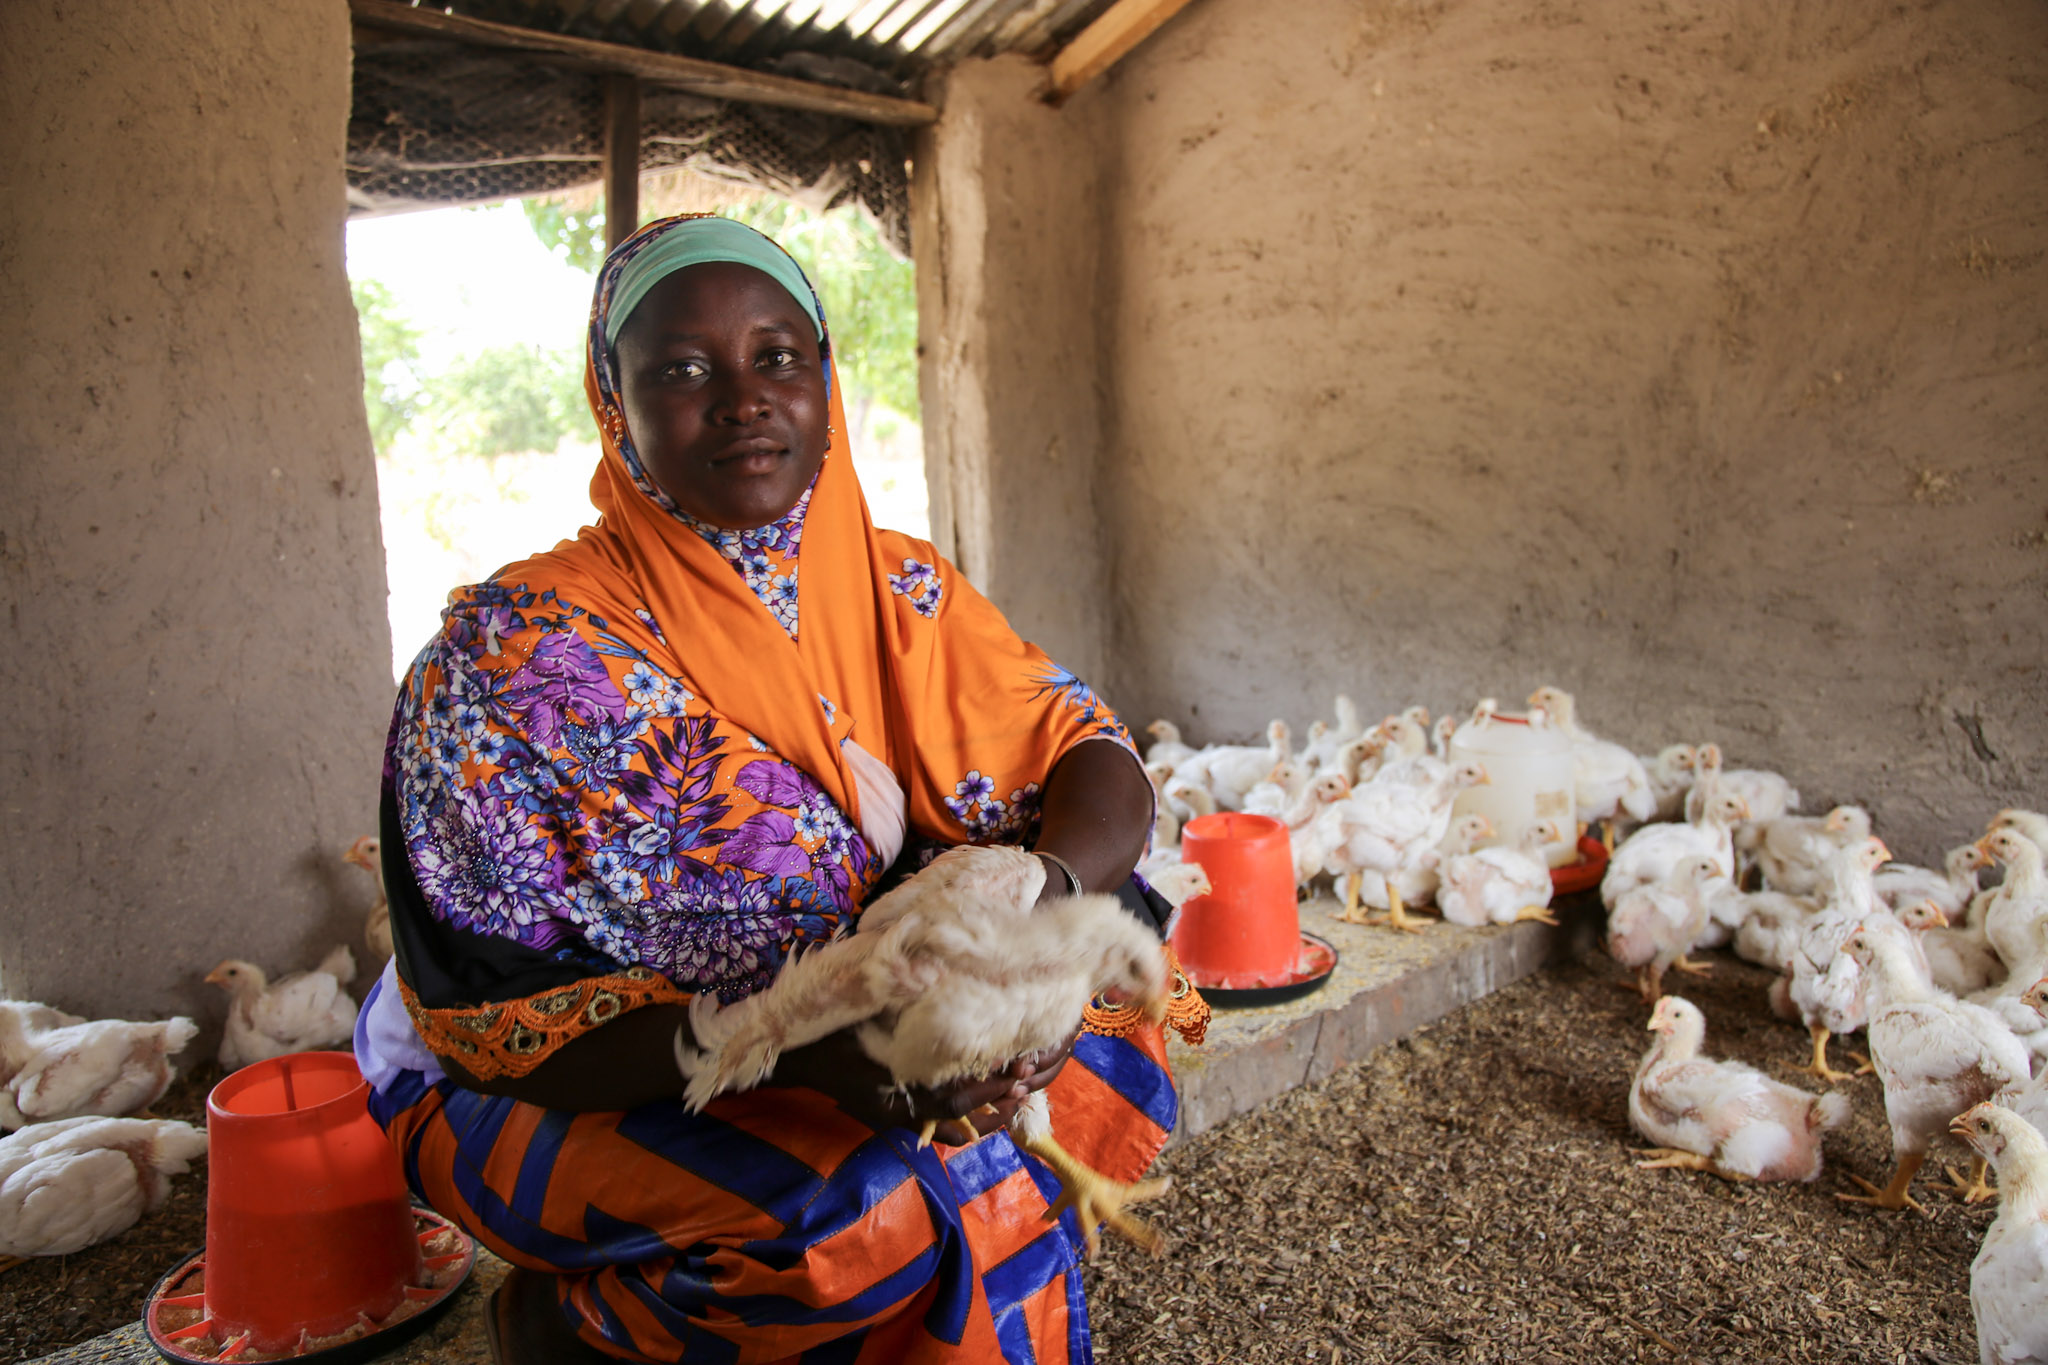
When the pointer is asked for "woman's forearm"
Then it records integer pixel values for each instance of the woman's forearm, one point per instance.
(1097, 812)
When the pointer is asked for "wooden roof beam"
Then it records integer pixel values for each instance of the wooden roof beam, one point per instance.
(1103, 43)
(714, 80)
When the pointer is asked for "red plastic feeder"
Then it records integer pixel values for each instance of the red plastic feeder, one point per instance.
(1245, 933)
(309, 1228)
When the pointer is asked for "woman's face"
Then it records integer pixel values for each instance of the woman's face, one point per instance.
(724, 393)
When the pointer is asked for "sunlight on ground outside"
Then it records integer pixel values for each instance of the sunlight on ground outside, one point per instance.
(472, 338)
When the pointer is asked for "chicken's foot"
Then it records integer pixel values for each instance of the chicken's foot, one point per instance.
(9, 1262)
(1678, 1158)
(1096, 1199)
(1397, 916)
(1819, 1065)
(1666, 1158)
(1864, 1066)
(1977, 1188)
(1892, 1196)
(1351, 914)
(1687, 965)
(1541, 914)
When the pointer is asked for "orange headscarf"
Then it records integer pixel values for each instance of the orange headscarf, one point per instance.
(933, 681)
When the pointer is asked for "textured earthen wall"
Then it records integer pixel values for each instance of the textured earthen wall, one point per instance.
(1693, 357)
(196, 679)
(1008, 212)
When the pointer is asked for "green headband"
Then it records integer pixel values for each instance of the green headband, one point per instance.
(700, 241)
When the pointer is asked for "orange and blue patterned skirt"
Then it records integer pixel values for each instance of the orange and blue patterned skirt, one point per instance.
(774, 1228)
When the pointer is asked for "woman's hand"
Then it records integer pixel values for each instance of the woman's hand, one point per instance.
(836, 1067)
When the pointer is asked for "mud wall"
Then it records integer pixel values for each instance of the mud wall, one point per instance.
(1693, 357)
(197, 676)
(1008, 210)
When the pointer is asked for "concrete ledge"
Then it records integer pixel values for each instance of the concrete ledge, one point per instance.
(1386, 985)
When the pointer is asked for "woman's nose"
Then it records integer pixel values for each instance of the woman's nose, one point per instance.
(740, 398)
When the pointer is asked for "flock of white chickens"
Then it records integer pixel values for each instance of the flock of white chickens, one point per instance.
(1947, 979)
(81, 1161)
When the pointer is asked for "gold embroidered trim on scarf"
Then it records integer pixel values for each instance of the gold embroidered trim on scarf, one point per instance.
(512, 1037)
(1187, 1013)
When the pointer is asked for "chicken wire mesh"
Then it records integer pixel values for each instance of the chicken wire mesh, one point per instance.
(436, 123)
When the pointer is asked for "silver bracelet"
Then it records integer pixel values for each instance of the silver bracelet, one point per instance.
(1074, 887)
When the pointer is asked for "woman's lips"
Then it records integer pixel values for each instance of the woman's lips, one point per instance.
(751, 457)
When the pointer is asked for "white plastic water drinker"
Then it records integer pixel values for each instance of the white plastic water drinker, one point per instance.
(1531, 771)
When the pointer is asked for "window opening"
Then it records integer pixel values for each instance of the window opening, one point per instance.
(472, 323)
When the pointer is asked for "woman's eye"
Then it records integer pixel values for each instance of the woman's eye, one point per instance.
(682, 369)
(781, 358)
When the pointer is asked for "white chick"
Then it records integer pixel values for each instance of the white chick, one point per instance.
(299, 1012)
(1936, 1056)
(1167, 748)
(1186, 798)
(1825, 987)
(1308, 841)
(1960, 959)
(1772, 923)
(1608, 780)
(2030, 1099)
(101, 1066)
(1651, 927)
(1952, 888)
(2019, 903)
(1282, 794)
(1500, 885)
(1326, 742)
(1671, 777)
(1384, 826)
(1792, 852)
(1724, 1117)
(1229, 770)
(366, 853)
(2008, 999)
(1768, 795)
(1165, 823)
(2031, 823)
(2009, 1278)
(72, 1183)
(1651, 853)
(1417, 882)
(955, 973)
(20, 1020)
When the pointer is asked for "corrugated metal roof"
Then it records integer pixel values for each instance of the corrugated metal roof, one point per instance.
(898, 37)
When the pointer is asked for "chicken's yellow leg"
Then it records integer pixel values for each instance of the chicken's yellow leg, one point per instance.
(1892, 1196)
(1666, 1157)
(1541, 914)
(9, 1262)
(1350, 913)
(1976, 1189)
(1095, 1198)
(1819, 1066)
(1397, 916)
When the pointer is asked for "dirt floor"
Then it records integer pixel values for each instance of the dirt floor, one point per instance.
(1467, 1195)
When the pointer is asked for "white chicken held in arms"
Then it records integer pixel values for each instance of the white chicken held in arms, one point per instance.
(953, 975)
(70, 1184)
(299, 1012)
(1724, 1117)
(2009, 1278)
